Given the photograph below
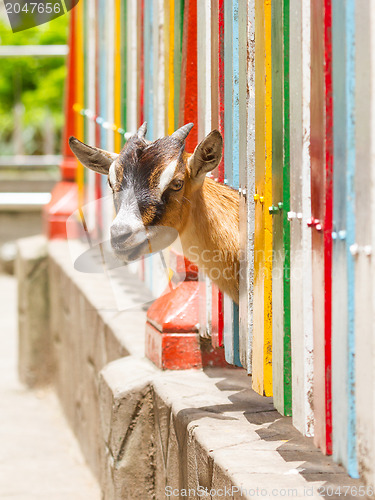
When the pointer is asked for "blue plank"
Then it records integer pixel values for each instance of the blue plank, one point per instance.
(339, 261)
(228, 96)
(235, 98)
(350, 228)
(343, 305)
(148, 106)
(231, 154)
(149, 68)
(235, 178)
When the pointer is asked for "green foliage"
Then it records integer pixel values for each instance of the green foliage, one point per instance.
(36, 82)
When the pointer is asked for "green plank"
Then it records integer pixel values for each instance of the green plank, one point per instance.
(123, 65)
(177, 56)
(286, 223)
(276, 209)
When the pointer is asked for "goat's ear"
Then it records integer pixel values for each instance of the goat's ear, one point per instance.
(96, 159)
(207, 156)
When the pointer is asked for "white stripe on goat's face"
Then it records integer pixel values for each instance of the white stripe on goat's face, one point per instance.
(167, 175)
(128, 233)
(112, 174)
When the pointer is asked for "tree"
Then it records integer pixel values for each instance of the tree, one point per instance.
(35, 82)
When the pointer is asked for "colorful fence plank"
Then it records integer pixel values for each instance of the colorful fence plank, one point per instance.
(343, 389)
(300, 211)
(321, 216)
(131, 69)
(363, 247)
(159, 69)
(281, 354)
(217, 121)
(246, 35)
(204, 127)
(231, 154)
(262, 337)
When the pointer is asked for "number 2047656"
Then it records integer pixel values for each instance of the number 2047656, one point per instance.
(33, 7)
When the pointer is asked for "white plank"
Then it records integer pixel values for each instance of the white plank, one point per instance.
(204, 127)
(131, 70)
(90, 78)
(159, 82)
(246, 19)
(301, 286)
(364, 296)
(204, 64)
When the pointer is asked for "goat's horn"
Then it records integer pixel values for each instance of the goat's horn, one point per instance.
(183, 132)
(142, 131)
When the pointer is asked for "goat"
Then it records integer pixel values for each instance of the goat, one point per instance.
(158, 184)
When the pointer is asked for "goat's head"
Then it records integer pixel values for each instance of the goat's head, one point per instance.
(153, 184)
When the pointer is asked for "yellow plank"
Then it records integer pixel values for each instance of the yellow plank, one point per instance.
(258, 337)
(166, 62)
(262, 336)
(169, 64)
(79, 72)
(268, 203)
(117, 110)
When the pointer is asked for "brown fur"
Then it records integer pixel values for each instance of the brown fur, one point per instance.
(210, 236)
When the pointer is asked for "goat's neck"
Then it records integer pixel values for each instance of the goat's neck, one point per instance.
(211, 235)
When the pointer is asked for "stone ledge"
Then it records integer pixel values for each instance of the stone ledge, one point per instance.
(142, 429)
(205, 429)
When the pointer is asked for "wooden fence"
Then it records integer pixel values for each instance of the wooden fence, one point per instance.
(290, 84)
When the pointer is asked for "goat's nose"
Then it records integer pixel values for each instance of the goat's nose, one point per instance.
(118, 238)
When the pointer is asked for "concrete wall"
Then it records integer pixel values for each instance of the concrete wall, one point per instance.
(35, 363)
(143, 430)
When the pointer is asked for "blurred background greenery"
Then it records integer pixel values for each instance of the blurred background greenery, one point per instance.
(31, 91)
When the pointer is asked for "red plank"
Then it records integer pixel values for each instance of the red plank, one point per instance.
(328, 219)
(189, 77)
(221, 81)
(70, 90)
(221, 128)
(321, 211)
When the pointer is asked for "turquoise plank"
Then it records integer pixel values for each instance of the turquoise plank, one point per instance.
(228, 110)
(235, 98)
(228, 336)
(339, 262)
(149, 68)
(236, 156)
(231, 154)
(343, 304)
(149, 105)
(350, 228)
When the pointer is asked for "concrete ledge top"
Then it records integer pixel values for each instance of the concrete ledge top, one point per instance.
(255, 451)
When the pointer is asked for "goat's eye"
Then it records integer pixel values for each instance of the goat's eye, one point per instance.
(177, 185)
